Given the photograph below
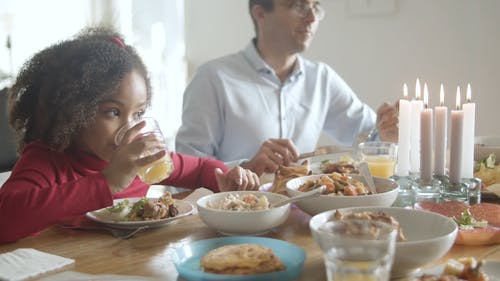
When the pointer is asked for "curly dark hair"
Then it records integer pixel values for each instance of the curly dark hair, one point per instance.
(58, 91)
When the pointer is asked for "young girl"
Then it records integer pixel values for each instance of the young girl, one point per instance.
(66, 106)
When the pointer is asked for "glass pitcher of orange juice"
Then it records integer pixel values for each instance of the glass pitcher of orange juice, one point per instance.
(161, 168)
(380, 157)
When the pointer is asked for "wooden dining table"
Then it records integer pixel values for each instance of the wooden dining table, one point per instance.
(150, 252)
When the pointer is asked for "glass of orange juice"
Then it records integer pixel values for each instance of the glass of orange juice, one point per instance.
(161, 168)
(380, 157)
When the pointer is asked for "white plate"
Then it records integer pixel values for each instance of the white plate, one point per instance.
(315, 162)
(490, 268)
(105, 217)
(266, 187)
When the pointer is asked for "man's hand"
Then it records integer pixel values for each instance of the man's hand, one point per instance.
(387, 123)
(272, 153)
(237, 178)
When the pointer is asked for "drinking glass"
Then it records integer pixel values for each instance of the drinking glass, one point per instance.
(158, 170)
(357, 249)
(380, 157)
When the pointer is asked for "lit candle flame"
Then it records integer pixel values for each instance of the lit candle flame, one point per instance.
(458, 98)
(469, 94)
(417, 90)
(441, 96)
(405, 91)
(426, 96)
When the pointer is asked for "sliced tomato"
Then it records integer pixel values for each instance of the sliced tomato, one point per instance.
(479, 236)
(487, 211)
(448, 208)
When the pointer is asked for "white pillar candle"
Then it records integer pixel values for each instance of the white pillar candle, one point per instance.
(426, 139)
(441, 129)
(456, 140)
(403, 164)
(469, 109)
(416, 107)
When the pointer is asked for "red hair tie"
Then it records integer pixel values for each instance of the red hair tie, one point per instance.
(118, 41)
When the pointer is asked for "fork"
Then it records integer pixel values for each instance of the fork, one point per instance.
(118, 233)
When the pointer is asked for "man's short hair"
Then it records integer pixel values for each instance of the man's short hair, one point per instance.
(268, 5)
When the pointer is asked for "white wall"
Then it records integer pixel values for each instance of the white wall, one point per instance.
(453, 42)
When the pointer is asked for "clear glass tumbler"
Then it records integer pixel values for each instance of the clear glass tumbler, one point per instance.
(358, 249)
(380, 157)
(160, 169)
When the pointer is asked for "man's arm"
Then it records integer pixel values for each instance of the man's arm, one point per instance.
(348, 117)
(202, 121)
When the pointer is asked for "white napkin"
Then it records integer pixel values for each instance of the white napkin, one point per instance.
(195, 195)
(26, 263)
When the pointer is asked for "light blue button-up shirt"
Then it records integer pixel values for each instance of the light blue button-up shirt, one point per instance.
(234, 103)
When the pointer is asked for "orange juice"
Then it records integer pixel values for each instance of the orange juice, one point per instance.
(381, 166)
(156, 171)
(365, 271)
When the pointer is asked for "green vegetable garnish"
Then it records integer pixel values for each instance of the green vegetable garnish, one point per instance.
(324, 164)
(137, 209)
(489, 162)
(467, 222)
(118, 207)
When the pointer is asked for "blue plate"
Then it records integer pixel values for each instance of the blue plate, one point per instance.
(187, 259)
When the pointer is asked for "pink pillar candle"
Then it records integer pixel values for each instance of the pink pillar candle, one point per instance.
(416, 106)
(469, 109)
(456, 139)
(441, 131)
(426, 140)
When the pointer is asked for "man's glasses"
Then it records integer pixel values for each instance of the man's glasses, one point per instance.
(302, 9)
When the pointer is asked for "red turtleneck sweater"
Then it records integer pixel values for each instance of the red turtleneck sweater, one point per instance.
(48, 186)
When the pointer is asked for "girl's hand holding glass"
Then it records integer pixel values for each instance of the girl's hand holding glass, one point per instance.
(141, 151)
(237, 178)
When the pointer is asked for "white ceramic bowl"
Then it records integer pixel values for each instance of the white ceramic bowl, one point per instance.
(242, 222)
(388, 192)
(429, 236)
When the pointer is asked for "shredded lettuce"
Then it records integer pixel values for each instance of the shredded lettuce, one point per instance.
(118, 207)
(137, 210)
(489, 162)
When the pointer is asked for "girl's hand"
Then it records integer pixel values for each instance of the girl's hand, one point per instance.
(127, 159)
(237, 178)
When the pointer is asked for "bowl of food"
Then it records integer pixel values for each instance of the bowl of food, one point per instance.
(342, 191)
(423, 237)
(242, 212)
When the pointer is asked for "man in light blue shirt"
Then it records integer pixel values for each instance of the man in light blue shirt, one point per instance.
(264, 105)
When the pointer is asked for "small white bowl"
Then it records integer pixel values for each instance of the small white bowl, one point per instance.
(430, 236)
(387, 193)
(242, 222)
